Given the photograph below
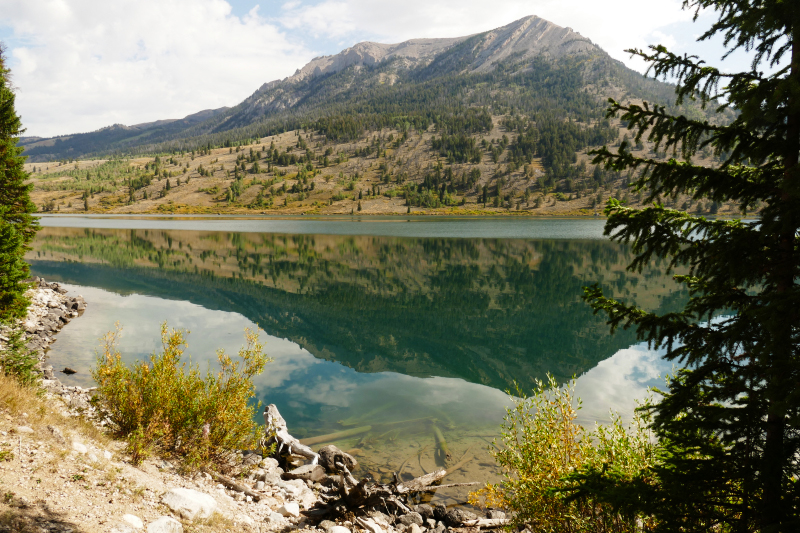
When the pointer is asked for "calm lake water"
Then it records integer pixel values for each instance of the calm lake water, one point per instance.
(402, 325)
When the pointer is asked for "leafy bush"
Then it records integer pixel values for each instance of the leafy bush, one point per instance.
(541, 444)
(16, 360)
(166, 406)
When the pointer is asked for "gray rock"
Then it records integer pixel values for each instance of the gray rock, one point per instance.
(313, 473)
(496, 514)
(326, 525)
(330, 455)
(414, 528)
(430, 522)
(165, 524)
(456, 517)
(411, 518)
(57, 434)
(259, 485)
(275, 518)
(249, 459)
(338, 529)
(439, 511)
(190, 504)
(425, 510)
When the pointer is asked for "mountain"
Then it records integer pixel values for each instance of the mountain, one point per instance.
(378, 79)
(101, 141)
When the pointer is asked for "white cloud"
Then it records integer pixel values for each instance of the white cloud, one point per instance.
(84, 64)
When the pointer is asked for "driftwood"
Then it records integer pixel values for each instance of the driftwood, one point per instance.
(277, 431)
(351, 495)
(488, 522)
(422, 482)
(228, 482)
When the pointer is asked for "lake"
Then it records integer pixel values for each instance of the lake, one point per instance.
(402, 325)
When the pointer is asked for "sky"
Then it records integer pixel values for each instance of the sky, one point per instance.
(79, 65)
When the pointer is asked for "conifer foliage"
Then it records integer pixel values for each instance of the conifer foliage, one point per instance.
(17, 224)
(730, 420)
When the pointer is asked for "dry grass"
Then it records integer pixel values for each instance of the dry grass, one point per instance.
(27, 406)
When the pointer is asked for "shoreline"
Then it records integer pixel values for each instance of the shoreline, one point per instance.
(49, 311)
(68, 475)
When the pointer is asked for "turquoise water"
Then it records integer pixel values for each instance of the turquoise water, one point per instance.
(395, 325)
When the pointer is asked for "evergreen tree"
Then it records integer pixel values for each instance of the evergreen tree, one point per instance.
(729, 422)
(17, 224)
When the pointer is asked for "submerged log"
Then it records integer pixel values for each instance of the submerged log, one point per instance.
(440, 442)
(336, 436)
(277, 431)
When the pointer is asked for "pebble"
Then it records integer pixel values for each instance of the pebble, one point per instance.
(24, 429)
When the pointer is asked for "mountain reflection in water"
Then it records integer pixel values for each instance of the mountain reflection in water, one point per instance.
(489, 311)
(354, 322)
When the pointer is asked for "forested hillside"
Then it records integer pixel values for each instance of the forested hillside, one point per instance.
(500, 120)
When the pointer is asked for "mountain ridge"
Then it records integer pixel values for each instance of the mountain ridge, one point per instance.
(413, 60)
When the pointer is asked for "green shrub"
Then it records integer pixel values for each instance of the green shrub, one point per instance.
(169, 407)
(541, 444)
(16, 360)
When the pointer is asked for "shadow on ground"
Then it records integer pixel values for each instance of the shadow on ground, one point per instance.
(20, 516)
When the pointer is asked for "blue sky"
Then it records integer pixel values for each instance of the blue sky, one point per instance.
(79, 65)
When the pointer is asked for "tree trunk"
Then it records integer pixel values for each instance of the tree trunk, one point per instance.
(780, 380)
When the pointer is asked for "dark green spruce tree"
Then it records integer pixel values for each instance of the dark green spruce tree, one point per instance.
(17, 224)
(729, 422)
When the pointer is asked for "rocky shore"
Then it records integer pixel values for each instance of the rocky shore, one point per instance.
(49, 311)
(61, 473)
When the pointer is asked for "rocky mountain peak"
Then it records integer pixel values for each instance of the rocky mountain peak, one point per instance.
(526, 37)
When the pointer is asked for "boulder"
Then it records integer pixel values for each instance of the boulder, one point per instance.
(190, 504)
(313, 473)
(330, 455)
(496, 514)
(165, 524)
